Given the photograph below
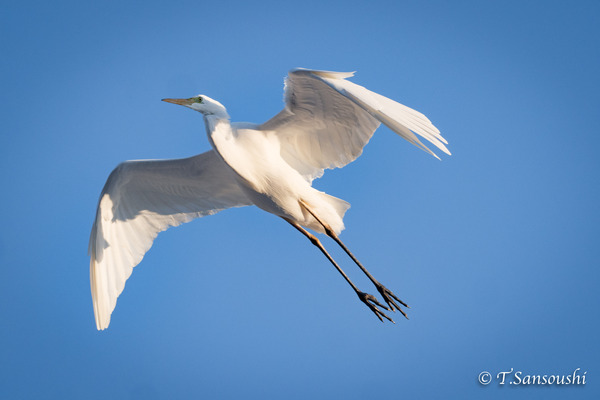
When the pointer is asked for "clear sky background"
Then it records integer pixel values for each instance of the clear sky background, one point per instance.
(496, 248)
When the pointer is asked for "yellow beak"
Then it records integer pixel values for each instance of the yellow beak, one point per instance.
(181, 102)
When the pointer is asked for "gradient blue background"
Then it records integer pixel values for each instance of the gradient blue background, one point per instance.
(496, 248)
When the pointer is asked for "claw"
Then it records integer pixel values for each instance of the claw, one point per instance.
(371, 301)
(389, 298)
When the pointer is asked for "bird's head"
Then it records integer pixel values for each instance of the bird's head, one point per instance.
(201, 103)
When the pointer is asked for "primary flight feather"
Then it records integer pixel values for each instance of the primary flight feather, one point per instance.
(326, 122)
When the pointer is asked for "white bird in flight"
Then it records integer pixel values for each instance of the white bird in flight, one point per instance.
(325, 124)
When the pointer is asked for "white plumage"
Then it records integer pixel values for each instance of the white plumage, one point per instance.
(326, 122)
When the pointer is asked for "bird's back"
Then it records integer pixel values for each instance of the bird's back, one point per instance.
(271, 183)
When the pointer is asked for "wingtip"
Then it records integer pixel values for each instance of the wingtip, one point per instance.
(447, 152)
(102, 320)
(102, 324)
(324, 73)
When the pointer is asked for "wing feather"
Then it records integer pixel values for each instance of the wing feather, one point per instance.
(328, 120)
(141, 199)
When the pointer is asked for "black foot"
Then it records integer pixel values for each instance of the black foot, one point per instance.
(372, 302)
(389, 298)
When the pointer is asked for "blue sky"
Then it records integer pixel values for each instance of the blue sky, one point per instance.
(495, 248)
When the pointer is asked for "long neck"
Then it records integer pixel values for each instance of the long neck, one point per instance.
(218, 130)
(222, 138)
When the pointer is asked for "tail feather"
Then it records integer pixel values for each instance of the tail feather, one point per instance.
(328, 209)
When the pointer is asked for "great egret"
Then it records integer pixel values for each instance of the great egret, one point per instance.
(325, 123)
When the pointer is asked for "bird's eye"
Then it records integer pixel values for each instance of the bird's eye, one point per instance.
(198, 100)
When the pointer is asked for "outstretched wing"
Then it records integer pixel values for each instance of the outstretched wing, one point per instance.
(327, 121)
(141, 199)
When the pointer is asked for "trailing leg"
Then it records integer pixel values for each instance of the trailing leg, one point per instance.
(389, 297)
(366, 298)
